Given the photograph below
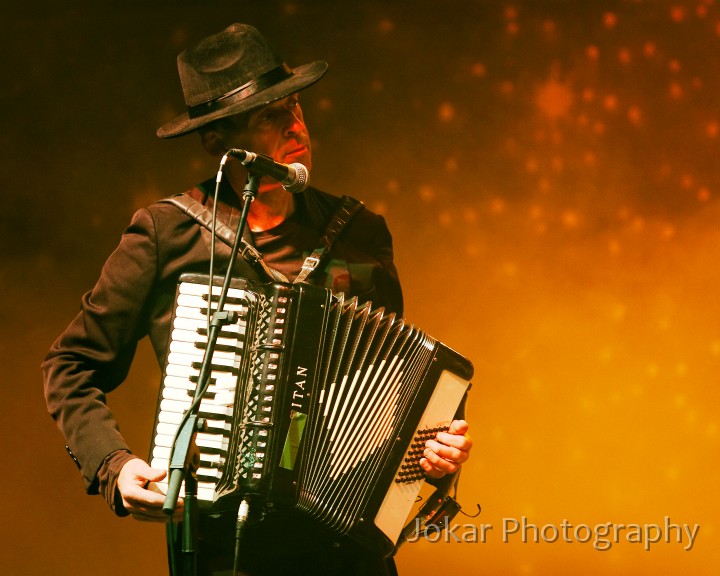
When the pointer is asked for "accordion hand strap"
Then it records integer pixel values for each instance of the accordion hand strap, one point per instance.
(345, 212)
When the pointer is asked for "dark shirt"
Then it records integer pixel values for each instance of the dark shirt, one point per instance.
(284, 247)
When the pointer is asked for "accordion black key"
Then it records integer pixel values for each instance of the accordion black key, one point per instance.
(314, 402)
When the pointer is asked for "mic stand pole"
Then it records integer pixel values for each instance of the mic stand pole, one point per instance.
(185, 456)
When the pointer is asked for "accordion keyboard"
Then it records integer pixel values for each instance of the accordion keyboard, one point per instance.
(217, 406)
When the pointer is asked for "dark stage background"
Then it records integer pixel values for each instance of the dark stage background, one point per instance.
(549, 170)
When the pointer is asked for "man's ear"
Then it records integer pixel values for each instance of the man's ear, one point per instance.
(213, 142)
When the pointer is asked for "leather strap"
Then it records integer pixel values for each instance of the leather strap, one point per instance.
(203, 216)
(348, 208)
(345, 212)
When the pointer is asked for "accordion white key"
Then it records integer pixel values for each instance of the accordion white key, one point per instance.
(314, 402)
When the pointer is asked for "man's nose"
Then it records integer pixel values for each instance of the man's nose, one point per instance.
(294, 123)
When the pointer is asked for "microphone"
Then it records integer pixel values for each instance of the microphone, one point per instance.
(293, 177)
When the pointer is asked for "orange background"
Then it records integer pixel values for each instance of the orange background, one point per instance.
(549, 171)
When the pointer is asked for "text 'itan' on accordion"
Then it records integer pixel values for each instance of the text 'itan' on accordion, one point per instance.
(315, 402)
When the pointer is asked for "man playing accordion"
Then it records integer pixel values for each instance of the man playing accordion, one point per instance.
(240, 95)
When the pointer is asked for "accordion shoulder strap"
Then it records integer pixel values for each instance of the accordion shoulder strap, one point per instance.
(345, 212)
(203, 216)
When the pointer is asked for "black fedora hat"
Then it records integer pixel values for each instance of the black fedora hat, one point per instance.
(234, 71)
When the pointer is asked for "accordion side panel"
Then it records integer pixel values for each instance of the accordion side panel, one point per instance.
(402, 495)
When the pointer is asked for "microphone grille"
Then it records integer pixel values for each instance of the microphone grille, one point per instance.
(300, 181)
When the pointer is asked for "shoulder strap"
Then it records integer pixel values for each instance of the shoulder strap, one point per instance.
(203, 216)
(345, 212)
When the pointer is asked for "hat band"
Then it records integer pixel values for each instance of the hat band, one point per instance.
(270, 78)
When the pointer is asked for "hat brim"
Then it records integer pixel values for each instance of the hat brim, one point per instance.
(303, 76)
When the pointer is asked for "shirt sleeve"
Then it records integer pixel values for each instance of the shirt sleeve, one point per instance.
(93, 355)
(107, 480)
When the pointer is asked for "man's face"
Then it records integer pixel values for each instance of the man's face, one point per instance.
(278, 130)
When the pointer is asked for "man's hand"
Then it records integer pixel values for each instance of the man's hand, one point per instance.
(140, 496)
(448, 451)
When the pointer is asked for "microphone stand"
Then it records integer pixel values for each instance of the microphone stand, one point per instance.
(185, 456)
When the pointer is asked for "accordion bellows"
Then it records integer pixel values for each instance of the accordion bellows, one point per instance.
(314, 402)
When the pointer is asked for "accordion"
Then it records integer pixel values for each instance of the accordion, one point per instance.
(314, 401)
